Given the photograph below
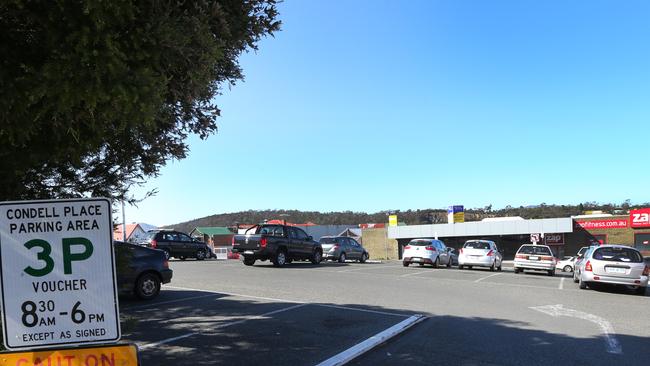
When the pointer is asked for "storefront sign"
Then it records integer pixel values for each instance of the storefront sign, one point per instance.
(640, 218)
(602, 224)
(456, 214)
(554, 239)
(123, 355)
(58, 273)
(392, 220)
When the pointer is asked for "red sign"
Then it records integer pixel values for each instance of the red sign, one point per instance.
(640, 218)
(554, 239)
(602, 224)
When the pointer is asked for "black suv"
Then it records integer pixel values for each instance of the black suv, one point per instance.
(176, 244)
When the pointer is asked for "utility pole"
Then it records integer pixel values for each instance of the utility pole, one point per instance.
(123, 223)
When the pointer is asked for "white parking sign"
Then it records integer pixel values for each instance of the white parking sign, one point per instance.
(58, 273)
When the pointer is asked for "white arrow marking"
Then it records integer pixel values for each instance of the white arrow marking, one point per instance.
(613, 346)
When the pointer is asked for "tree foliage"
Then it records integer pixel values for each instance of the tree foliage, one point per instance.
(410, 217)
(96, 96)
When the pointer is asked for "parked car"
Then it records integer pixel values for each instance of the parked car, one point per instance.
(140, 270)
(279, 243)
(177, 244)
(613, 264)
(566, 264)
(341, 248)
(426, 251)
(454, 256)
(480, 253)
(535, 257)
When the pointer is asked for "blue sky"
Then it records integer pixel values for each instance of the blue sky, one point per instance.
(376, 105)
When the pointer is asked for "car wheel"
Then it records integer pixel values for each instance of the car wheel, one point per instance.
(280, 258)
(249, 261)
(493, 267)
(551, 273)
(448, 262)
(460, 266)
(342, 258)
(567, 268)
(317, 257)
(640, 290)
(147, 286)
(182, 258)
(469, 267)
(406, 264)
(500, 267)
(517, 270)
(582, 284)
(436, 264)
(421, 264)
(364, 258)
(200, 255)
(575, 279)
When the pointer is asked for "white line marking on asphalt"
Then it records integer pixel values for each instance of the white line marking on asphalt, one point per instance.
(166, 302)
(221, 326)
(362, 310)
(366, 267)
(372, 342)
(561, 285)
(486, 277)
(613, 346)
(235, 294)
(416, 273)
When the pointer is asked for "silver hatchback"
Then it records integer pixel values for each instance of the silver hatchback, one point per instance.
(613, 264)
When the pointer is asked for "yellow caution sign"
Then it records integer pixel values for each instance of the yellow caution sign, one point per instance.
(118, 355)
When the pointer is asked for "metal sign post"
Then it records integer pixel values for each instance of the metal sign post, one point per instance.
(57, 271)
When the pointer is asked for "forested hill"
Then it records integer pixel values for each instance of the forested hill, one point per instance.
(411, 217)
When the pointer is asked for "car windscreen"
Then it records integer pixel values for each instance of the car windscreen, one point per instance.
(420, 243)
(615, 254)
(327, 240)
(273, 230)
(477, 245)
(534, 249)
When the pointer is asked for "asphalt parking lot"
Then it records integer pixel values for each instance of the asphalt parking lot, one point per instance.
(222, 312)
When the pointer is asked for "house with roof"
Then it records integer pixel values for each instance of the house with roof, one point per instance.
(134, 233)
(215, 236)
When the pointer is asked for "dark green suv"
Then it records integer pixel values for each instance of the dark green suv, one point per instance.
(176, 244)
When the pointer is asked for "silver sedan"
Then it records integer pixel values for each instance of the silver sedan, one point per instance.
(613, 264)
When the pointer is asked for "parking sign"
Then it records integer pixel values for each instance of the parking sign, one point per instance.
(57, 273)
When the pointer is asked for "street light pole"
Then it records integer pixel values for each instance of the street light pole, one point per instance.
(123, 223)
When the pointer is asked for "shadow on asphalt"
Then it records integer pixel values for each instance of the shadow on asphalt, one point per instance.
(451, 340)
(234, 331)
(240, 331)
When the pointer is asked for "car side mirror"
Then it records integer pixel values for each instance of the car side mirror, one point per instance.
(310, 237)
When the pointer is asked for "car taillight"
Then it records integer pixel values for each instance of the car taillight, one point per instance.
(166, 264)
(490, 253)
(430, 248)
(461, 250)
(520, 256)
(263, 243)
(407, 247)
(646, 271)
(547, 258)
(588, 266)
(154, 243)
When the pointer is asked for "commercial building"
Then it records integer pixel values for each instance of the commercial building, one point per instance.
(564, 235)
